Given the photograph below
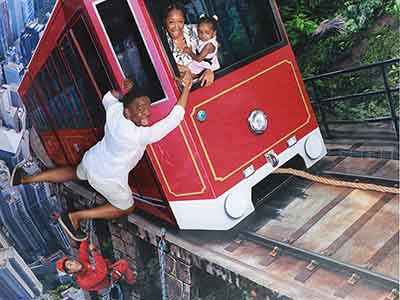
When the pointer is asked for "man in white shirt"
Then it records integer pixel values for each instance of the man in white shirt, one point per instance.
(107, 164)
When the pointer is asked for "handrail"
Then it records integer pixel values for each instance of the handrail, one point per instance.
(319, 103)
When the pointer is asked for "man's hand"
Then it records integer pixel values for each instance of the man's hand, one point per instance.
(187, 80)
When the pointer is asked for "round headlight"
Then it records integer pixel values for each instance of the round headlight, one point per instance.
(258, 121)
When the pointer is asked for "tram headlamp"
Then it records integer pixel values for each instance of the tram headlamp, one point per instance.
(257, 121)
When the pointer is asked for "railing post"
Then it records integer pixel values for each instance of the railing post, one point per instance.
(390, 99)
(321, 110)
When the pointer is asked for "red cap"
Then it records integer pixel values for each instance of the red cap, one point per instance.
(60, 264)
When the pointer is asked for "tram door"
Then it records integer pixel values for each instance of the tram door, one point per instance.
(43, 125)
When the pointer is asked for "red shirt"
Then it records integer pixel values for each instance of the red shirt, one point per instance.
(92, 277)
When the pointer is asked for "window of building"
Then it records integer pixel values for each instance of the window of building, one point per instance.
(92, 56)
(129, 47)
(247, 29)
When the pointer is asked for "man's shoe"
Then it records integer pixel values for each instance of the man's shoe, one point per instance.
(16, 176)
(66, 224)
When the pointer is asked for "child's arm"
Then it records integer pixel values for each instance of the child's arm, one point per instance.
(209, 48)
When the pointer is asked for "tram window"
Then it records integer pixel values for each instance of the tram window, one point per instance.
(60, 98)
(60, 113)
(44, 86)
(246, 29)
(92, 56)
(70, 92)
(85, 87)
(129, 47)
(36, 112)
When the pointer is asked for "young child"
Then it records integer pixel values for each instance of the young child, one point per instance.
(206, 52)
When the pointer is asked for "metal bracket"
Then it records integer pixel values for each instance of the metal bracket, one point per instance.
(272, 158)
(348, 286)
(306, 273)
(273, 255)
(234, 245)
(394, 295)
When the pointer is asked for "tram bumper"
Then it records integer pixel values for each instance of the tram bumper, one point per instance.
(233, 206)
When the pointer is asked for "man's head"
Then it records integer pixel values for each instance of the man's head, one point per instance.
(68, 265)
(137, 108)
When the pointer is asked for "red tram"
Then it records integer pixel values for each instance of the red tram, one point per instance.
(254, 118)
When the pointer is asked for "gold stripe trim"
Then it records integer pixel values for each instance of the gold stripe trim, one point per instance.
(194, 163)
(192, 116)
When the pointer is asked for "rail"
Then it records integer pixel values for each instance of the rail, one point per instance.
(322, 104)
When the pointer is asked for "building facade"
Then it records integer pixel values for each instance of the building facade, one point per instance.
(29, 40)
(17, 281)
(16, 17)
(6, 36)
(13, 73)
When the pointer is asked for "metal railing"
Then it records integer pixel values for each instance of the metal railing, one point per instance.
(323, 105)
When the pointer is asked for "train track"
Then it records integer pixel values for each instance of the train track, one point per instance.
(324, 228)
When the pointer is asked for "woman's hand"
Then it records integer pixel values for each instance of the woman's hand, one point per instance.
(92, 247)
(187, 50)
(207, 78)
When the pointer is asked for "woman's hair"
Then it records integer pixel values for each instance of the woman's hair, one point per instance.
(132, 95)
(174, 6)
(213, 21)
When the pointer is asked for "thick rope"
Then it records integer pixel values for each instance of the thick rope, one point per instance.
(334, 182)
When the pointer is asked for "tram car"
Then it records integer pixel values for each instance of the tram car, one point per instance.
(254, 118)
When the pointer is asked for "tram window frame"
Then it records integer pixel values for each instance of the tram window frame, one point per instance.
(80, 28)
(143, 50)
(157, 14)
(83, 84)
(72, 96)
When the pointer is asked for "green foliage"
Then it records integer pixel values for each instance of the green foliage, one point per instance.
(56, 293)
(383, 43)
(300, 28)
(359, 14)
(363, 41)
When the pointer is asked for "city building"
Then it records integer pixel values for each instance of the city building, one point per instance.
(4, 242)
(39, 4)
(27, 238)
(28, 10)
(12, 110)
(29, 40)
(16, 17)
(13, 72)
(17, 281)
(10, 150)
(15, 98)
(6, 36)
